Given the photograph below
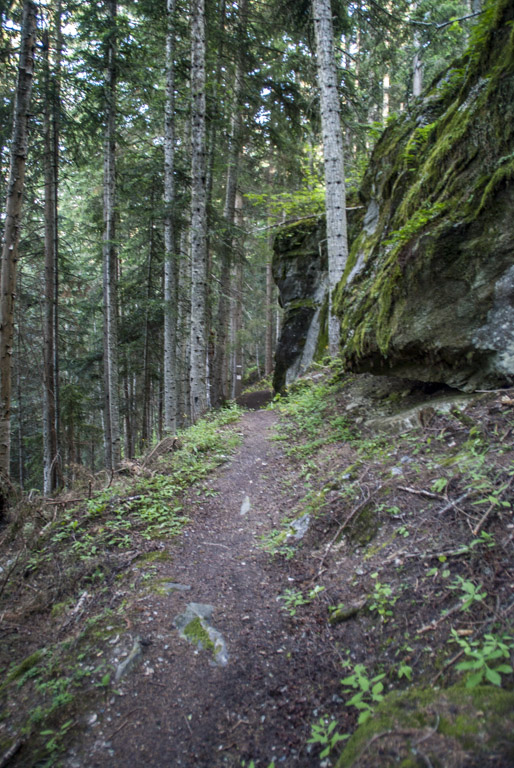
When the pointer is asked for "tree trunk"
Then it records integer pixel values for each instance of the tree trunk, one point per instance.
(237, 368)
(146, 429)
(198, 215)
(386, 84)
(335, 193)
(11, 236)
(417, 69)
(170, 259)
(110, 261)
(51, 461)
(213, 116)
(219, 363)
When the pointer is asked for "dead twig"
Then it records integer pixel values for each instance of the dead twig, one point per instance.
(454, 503)
(478, 527)
(421, 492)
(355, 511)
(7, 756)
(188, 726)
(435, 624)
(125, 722)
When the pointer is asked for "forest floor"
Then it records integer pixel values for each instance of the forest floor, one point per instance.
(344, 552)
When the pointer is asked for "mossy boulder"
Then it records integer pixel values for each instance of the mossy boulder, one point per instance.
(453, 728)
(428, 291)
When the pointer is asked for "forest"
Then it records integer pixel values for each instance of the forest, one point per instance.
(106, 281)
(257, 383)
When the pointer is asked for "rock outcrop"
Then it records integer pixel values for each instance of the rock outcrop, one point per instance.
(300, 272)
(429, 288)
(428, 292)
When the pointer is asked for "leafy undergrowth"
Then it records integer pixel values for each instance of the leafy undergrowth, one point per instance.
(408, 554)
(66, 585)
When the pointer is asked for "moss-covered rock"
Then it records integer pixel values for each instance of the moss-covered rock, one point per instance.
(453, 728)
(428, 291)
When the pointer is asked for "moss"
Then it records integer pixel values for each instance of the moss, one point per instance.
(25, 666)
(197, 634)
(364, 527)
(435, 189)
(480, 721)
(156, 556)
(503, 174)
(322, 343)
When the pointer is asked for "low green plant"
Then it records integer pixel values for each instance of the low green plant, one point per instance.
(294, 598)
(483, 657)
(470, 592)
(325, 735)
(367, 691)
(382, 599)
(404, 670)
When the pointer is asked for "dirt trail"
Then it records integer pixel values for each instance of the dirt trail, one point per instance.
(178, 707)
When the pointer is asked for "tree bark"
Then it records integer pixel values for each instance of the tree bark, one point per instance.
(268, 350)
(417, 69)
(11, 236)
(237, 367)
(110, 261)
(335, 192)
(220, 394)
(51, 457)
(170, 258)
(146, 429)
(198, 376)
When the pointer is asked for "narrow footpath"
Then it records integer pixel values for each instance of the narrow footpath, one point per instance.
(254, 692)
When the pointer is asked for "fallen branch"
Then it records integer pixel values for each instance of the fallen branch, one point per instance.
(49, 502)
(7, 756)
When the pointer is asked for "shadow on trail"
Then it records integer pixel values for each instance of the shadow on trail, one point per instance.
(255, 400)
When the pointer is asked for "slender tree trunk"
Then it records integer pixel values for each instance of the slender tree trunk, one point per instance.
(56, 119)
(386, 83)
(110, 261)
(146, 426)
(335, 193)
(170, 258)
(219, 363)
(212, 115)
(417, 69)
(51, 460)
(268, 350)
(237, 368)
(11, 236)
(198, 215)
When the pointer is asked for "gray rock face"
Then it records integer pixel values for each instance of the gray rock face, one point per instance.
(428, 293)
(300, 272)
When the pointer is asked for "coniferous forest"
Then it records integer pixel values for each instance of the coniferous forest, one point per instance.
(257, 384)
(161, 143)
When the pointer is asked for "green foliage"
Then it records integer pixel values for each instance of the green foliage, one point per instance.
(471, 593)
(294, 598)
(324, 733)
(369, 691)
(382, 599)
(484, 656)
